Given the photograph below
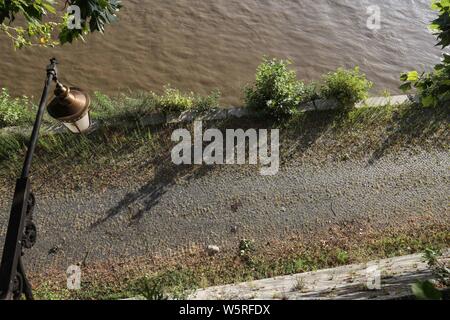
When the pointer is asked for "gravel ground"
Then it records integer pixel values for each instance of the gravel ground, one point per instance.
(231, 203)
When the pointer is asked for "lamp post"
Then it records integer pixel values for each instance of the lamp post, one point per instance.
(71, 107)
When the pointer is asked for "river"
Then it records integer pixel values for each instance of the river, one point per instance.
(201, 45)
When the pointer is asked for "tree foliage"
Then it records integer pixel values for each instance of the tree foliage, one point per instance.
(442, 24)
(43, 23)
(434, 87)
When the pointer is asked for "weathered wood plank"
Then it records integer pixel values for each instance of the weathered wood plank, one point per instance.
(347, 282)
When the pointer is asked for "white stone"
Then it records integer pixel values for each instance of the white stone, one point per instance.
(212, 250)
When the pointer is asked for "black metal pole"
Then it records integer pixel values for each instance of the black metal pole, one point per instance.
(51, 75)
(13, 281)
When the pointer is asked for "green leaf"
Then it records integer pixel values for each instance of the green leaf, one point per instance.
(413, 76)
(446, 58)
(49, 7)
(406, 87)
(428, 101)
(425, 290)
(404, 77)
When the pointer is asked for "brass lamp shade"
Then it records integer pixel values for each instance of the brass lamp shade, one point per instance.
(71, 107)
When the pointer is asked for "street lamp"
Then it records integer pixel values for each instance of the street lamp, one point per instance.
(71, 107)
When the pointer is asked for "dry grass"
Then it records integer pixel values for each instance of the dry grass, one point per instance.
(114, 151)
(178, 275)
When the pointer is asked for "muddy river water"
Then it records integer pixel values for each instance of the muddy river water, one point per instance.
(201, 45)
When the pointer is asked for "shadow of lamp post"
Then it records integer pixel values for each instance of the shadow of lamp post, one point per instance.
(71, 107)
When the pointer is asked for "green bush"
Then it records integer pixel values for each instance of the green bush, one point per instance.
(14, 111)
(433, 87)
(347, 86)
(276, 91)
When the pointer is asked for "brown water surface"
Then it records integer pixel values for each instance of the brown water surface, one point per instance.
(201, 45)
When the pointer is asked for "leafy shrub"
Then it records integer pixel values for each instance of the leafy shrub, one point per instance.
(174, 101)
(427, 290)
(276, 90)
(14, 111)
(347, 86)
(440, 269)
(433, 87)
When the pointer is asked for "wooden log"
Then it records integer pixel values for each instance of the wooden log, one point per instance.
(358, 281)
